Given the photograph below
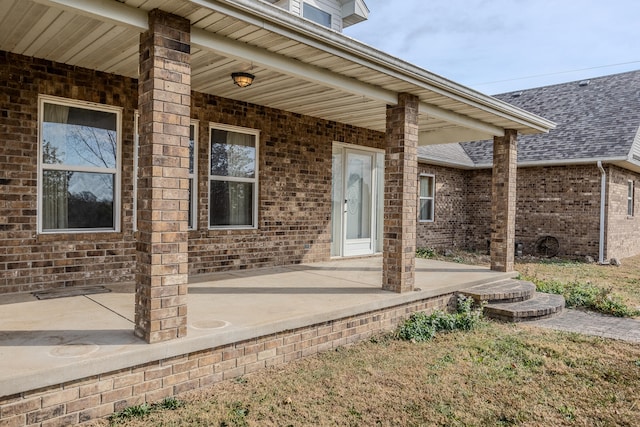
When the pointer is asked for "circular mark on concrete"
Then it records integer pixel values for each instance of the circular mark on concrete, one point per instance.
(210, 324)
(75, 349)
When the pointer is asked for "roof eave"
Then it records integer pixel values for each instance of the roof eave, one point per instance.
(339, 44)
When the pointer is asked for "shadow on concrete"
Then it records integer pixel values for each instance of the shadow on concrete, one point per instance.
(243, 290)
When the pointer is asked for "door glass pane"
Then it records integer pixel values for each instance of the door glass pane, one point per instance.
(337, 202)
(358, 196)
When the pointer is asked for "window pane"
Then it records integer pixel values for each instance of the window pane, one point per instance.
(78, 137)
(233, 154)
(231, 203)
(73, 200)
(316, 15)
(426, 209)
(426, 186)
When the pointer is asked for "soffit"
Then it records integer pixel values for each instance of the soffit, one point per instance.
(61, 31)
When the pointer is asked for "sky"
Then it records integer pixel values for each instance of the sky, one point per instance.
(497, 46)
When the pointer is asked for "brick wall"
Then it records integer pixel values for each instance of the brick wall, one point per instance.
(294, 184)
(623, 231)
(561, 201)
(448, 230)
(99, 396)
(28, 261)
(294, 214)
(478, 195)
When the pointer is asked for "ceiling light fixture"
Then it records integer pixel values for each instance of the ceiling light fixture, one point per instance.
(242, 79)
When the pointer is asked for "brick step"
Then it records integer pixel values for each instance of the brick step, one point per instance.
(540, 306)
(509, 290)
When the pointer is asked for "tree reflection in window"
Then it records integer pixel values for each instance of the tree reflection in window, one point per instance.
(79, 158)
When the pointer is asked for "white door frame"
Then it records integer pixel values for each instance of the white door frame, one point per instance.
(355, 247)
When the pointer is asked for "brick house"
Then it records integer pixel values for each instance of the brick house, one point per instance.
(129, 154)
(561, 175)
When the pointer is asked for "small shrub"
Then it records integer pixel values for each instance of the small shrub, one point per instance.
(423, 327)
(427, 253)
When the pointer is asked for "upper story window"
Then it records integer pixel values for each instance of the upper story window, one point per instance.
(316, 15)
(630, 198)
(233, 177)
(79, 166)
(427, 191)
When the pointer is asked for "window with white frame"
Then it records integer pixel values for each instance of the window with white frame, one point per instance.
(79, 166)
(427, 191)
(316, 15)
(193, 175)
(630, 198)
(233, 177)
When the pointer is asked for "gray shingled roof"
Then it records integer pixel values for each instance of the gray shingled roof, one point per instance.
(595, 120)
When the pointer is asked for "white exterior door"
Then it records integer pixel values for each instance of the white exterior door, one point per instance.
(355, 200)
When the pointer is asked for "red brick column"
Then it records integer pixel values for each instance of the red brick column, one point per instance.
(400, 195)
(503, 201)
(164, 92)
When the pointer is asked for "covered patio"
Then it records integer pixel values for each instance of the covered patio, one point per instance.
(56, 342)
(160, 71)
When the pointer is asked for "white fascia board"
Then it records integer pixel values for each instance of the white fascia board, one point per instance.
(620, 161)
(560, 162)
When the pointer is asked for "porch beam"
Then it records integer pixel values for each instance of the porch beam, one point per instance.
(451, 134)
(460, 120)
(400, 195)
(503, 201)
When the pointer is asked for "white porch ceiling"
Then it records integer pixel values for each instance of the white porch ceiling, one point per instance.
(299, 66)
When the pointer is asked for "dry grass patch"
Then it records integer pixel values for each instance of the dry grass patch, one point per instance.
(495, 375)
(623, 280)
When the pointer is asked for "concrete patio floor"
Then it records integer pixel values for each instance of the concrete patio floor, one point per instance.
(47, 342)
